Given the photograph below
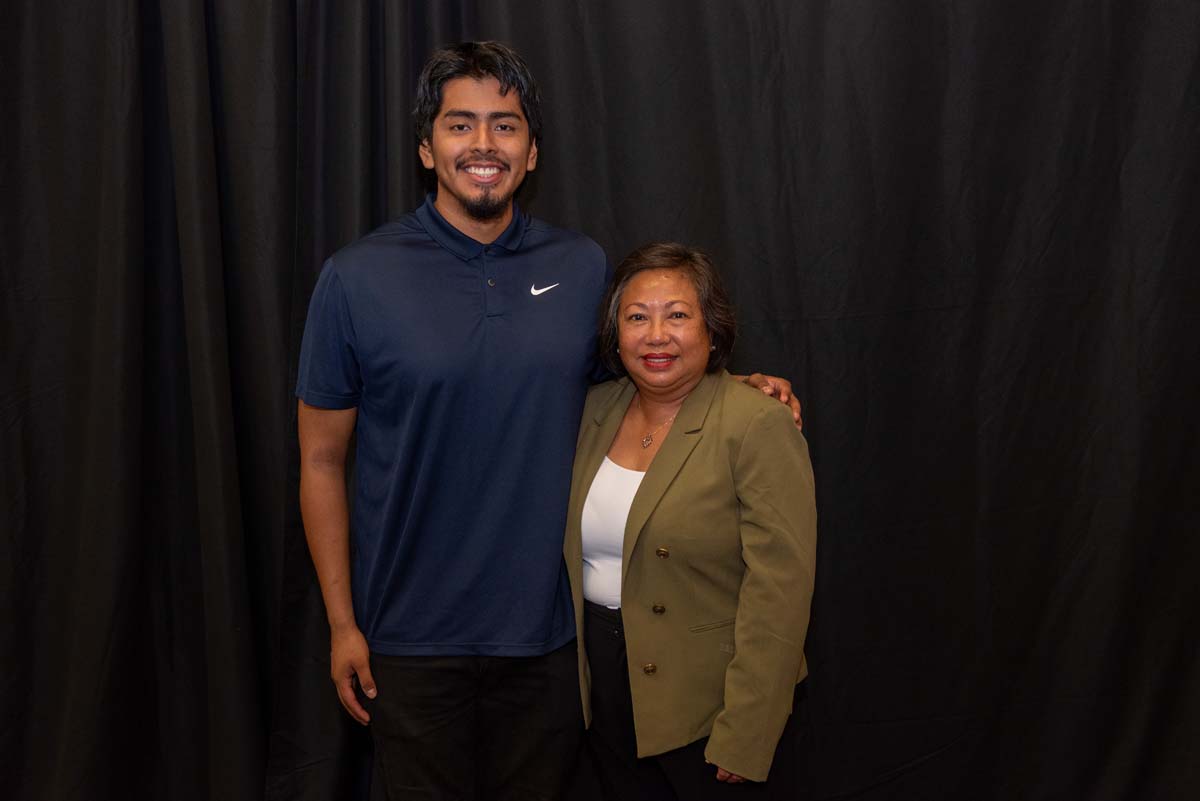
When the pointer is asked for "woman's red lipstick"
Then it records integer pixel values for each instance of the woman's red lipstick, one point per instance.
(658, 361)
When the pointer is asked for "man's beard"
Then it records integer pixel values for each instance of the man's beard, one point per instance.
(487, 206)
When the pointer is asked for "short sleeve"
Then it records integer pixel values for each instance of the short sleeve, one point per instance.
(329, 375)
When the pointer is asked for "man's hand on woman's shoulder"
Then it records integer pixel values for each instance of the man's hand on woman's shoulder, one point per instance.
(778, 388)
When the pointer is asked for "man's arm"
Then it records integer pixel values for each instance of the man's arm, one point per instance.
(324, 440)
(776, 387)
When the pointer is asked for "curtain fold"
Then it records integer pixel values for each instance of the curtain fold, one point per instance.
(211, 690)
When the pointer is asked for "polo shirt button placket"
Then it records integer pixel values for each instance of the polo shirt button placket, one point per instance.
(494, 299)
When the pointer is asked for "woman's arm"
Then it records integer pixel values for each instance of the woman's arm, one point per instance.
(778, 527)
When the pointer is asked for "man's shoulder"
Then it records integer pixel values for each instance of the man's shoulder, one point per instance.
(539, 233)
(382, 243)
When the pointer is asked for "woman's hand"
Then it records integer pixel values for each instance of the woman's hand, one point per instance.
(730, 778)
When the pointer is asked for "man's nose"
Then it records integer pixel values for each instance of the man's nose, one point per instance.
(483, 139)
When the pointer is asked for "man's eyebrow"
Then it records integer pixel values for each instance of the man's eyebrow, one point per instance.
(471, 115)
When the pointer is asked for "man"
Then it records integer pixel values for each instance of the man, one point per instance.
(458, 344)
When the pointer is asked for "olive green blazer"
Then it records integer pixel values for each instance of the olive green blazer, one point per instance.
(717, 570)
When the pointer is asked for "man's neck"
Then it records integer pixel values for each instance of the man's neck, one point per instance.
(483, 231)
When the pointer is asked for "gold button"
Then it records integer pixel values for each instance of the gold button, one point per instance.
(658, 609)
(662, 553)
(649, 668)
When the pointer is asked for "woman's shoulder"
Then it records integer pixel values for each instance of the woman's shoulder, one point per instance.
(754, 426)
(604, 393)
(747, 414)
(746, 402)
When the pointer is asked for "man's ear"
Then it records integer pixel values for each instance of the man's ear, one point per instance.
(426, 152)
(531, 162)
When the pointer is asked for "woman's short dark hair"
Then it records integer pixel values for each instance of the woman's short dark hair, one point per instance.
(715, 307)
(476, 60)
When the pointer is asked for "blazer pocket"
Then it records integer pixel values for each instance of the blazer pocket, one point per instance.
(710, 626)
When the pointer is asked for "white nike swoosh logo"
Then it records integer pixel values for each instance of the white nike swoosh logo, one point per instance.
(533, 290)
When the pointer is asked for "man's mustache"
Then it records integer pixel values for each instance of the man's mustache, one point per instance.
(470, 158)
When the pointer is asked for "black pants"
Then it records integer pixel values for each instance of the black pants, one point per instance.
(611, 765)
(458, 728)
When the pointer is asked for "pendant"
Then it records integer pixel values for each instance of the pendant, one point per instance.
(647, 440)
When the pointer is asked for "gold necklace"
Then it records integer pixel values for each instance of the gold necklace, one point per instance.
(648, 440)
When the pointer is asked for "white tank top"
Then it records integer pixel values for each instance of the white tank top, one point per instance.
(605, 512)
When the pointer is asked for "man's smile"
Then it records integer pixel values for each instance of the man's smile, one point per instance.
(486, 172)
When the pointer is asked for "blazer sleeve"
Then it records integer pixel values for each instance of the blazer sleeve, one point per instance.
(778, 528)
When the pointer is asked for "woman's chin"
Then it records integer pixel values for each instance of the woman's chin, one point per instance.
(650, 380)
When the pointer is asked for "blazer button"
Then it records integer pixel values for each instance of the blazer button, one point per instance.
(649, 668)
(658, 609)
(662, 553)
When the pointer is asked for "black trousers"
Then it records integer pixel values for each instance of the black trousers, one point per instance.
(460, 728)
(611, 769)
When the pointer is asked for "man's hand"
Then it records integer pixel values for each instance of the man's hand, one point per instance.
(350, 659)
(730, 778)
(779, 388)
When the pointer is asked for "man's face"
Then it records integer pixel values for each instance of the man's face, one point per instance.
(479, 148)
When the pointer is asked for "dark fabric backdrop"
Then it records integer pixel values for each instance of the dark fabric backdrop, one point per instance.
(963, 229)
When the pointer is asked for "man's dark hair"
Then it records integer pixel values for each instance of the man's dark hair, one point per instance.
(715, 307)
(476, 60)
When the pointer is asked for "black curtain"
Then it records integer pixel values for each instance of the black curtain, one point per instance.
(964, 230)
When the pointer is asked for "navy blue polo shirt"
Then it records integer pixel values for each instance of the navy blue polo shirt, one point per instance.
(468, 364)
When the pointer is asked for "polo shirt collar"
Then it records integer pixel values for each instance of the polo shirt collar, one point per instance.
(462, 245)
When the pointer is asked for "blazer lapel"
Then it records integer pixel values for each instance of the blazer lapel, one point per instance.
(680, 441)
(594, 442)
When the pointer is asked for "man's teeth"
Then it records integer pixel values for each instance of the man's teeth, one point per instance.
(483, 172)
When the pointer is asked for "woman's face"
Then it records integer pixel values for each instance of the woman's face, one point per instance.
(663, 339)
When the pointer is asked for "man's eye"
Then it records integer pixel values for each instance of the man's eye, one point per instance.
(458, 126)
(505, 127)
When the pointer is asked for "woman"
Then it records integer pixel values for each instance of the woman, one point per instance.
(691, 539)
